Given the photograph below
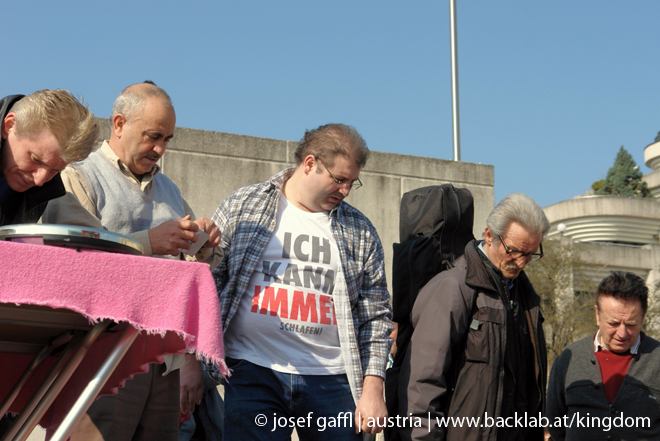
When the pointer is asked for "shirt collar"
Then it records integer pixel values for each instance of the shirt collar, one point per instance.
(597, 346)
(279, 179)
(481, 248)
(114, 159)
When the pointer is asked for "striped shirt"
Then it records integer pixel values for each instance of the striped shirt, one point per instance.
(246, 219)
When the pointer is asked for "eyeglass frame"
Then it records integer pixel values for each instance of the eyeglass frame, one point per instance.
(530, 257)
(354, 185)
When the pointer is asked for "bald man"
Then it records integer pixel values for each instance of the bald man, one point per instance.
(119, 188)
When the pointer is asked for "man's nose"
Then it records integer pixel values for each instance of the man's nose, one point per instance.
(344, 191)
(622, 331)
(159, 148)
(42, 175)
(521, 262)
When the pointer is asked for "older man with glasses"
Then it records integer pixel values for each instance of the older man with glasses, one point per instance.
(304, 299)
(478, 349)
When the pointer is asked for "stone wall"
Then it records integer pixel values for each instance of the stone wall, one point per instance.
(207, 166)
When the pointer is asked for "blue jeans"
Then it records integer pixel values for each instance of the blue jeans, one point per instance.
(265, 405)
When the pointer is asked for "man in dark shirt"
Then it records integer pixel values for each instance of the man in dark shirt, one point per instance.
(41, 134)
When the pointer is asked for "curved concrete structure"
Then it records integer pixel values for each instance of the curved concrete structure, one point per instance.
(652, 155)
(615, 232)
(614, 219)
(652, 160)
(653, 182)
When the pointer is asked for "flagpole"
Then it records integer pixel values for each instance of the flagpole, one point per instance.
(454, 81)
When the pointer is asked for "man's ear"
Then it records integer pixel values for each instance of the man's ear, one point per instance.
(7, 124)
(118, 123)
(488, 237)
(308, 163)
(597, 319)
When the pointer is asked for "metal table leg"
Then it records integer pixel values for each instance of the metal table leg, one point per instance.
(53, 384)
(94, 386)
(43, 388)
(34, 364)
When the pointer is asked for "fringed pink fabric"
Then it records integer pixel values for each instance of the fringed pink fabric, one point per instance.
(173, 303)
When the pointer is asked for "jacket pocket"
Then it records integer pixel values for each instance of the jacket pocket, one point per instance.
(484, 334)
(640, 401)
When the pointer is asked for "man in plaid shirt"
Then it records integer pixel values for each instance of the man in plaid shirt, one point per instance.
(304, 299)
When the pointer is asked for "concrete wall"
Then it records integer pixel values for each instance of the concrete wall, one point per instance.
(208, 166)
(604, 258)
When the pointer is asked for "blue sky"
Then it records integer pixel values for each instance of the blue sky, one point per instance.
(549, 91)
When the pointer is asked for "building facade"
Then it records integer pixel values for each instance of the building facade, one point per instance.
(615, 232)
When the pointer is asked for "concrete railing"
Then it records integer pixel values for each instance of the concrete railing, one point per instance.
(607, 219)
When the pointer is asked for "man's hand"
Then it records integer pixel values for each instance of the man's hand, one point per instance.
(191, 384)
(371, 406)
(211, 229)
(173, 236)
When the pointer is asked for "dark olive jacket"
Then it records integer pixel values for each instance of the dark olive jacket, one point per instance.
(26, 207)
(460, 340)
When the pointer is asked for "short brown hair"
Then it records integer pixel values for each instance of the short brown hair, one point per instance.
(624, 286)
(331, 140)
(71, 123)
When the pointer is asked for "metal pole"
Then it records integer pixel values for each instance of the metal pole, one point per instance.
(454, 81)
(38, 359)
(95, 384)
(56, 384)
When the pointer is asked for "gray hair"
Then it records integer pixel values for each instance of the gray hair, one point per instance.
(520, 208)
(330, 140)
(130, 101)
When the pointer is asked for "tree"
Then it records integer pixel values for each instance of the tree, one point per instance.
(623, 179)
(566, 292)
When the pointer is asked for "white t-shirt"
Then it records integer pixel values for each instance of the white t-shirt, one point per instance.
(286, 321)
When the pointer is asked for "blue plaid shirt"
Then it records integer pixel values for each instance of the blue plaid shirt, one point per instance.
(246, 219)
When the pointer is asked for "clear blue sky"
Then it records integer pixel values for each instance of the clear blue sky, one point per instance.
(549, 90)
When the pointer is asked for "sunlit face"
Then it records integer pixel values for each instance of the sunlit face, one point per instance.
(321, 192)
(142, 140)
(28, 161)
(516, 238)
(619, 321)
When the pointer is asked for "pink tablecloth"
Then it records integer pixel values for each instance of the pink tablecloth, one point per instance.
(173, 303)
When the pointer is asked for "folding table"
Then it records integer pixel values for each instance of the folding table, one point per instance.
(75, 325)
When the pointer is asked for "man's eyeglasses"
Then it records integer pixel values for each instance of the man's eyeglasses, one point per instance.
(515, 254)
(347, 185)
